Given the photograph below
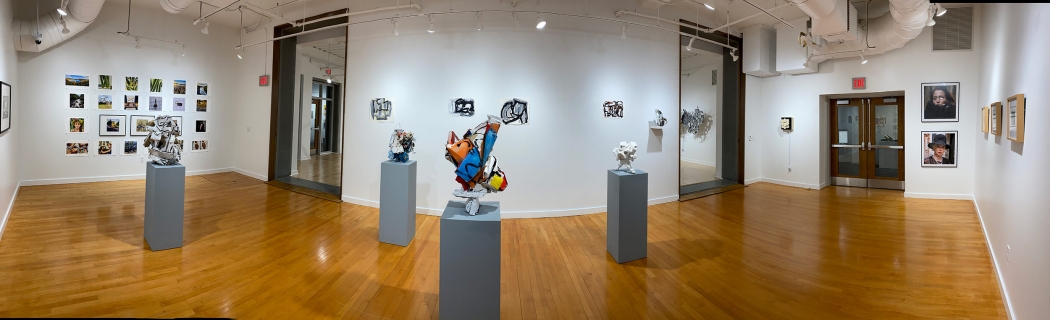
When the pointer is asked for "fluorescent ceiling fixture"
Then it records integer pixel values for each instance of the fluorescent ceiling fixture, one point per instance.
(709, 7)
(540, 23)
(941, 10)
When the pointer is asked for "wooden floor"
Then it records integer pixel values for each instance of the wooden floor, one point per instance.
(255, 251)
(693, 173)
(325, 168)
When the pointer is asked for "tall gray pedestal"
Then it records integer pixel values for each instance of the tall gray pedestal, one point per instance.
(470, 259)
(397, 202)
(627, 226)
(165, 202)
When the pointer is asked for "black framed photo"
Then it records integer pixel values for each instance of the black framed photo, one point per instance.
(939, 148)
(940, 102)
(112, 125)
(6, 112)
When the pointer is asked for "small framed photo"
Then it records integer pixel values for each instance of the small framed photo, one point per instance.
(940, 102)
(5, 107)
(202, 88)
(156, 85)
(78, 80)
(105, 102)
(156, 103)
(131, 83)
(994, 114)
(1016, 118)
(105, 82)
(77, 100)
(202, 105)
(199, 146)
(201, 126)
(78, 148)
(131, 102)
(105, 148)
(613, 109)
(131, 147)
(178, 104)
(984, 119)
(140, 125)
(939, 148)
(77, 125)
(180, 87)
(112, 125)
(178, 121)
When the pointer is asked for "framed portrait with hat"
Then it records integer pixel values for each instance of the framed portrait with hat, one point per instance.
(939, 149)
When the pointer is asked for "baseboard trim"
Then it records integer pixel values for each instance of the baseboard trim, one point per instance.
(10, 206)
(944, 196)
(995, 262)
(40, 182)
(785, 183)
(515, 214)
(250, 174)
(753, 180)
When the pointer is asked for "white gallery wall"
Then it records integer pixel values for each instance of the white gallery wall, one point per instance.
(9, 143)
(251, 130)
(699, 92)
(1012, 178)
(903, 69)
(100, 50)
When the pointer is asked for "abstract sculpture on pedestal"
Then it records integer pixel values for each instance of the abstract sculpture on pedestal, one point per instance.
(401, 143)
(476, 169)
(660, 120)
(625, 154)
(163, 142)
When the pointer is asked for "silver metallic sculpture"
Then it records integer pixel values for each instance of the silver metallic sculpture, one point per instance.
(692, 120)
(660, 120)
(163, 142)
(625, 154)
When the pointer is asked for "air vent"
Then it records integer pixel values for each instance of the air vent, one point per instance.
(954, 30)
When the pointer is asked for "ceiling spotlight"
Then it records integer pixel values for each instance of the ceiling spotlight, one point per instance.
(479, 22)
(395, 27)
(863, 60)
(205, 30)
(709, 7)
(732, 53)
(623, 35)
(138, 45)
(540, 23)
(930, 22)
(431, 28)
(941, 10)
(329, 79)
(65, 30)
(62, 9)
(183, 51)
(689, 47)
(239, 53)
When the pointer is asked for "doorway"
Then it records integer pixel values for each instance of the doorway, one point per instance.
(867, 142)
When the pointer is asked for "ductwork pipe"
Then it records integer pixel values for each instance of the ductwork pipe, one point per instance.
(81, 14)
(175, 6)
(906, 20)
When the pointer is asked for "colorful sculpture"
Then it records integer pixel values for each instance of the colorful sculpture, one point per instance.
(165, 148)
(476, 169)
(401, 144)
(625, 154)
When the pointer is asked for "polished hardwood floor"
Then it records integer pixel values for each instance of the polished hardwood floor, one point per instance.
(324, 168)
(693, 173)
(255, 251)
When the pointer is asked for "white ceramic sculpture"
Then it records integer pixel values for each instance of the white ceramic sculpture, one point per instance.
(660, 120)
(163, 142)
(625, 154)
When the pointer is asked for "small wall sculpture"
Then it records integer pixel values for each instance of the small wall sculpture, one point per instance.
(660, 120)
(165, 148)
(625, 154)
(692, 120)
(476, 169)
(401, 144)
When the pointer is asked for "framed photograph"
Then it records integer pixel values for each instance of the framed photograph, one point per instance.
(77, 148)
(77, 100)
(994, 113)
(202, 105)
(140, 125)
(131, 102)
(105, 102)
(105, 148)
(202, 88)
(199, 146)
(112, 125)
(939, 148)
(131, 147)
(201, 126)
(105, 82)
(1016, 118)
(156, 85)
(156, 103)
(131, 83)
(5, 107)
(178, 104)
(77, 124)
(76, 80)
(180, 87)
(984, 119)
(940, 102)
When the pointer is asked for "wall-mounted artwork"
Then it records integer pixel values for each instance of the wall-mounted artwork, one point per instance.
(202, 105)
(940, 102)
(199, 146)
(939, 148)
(79, 149)
(1016, 119)
(156, 103)
(131, 102)
(994, 113)
(515, 111)
(112, 125)
(382, 109)
(202, 89)
(105, 147)
(180, 87)
(156, 85)
(5, 107)
(76, 80)
(984, 119)
(178, 104)
(76, 100)
(131, 83)
(462, 107)
(105, 82)
(201, 126)
(613, 109)
(140, 125)
(105, 102)
(77, 124)
(131, 147)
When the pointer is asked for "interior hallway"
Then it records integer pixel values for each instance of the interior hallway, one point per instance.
(324, 168)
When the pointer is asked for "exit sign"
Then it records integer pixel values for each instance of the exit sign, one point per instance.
(264, 80)
(859, 83)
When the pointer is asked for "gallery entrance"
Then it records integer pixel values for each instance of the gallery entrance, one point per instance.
(867, 145)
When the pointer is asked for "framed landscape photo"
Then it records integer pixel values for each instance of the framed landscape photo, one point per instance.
(112, 125)
(940, 102)
(1016, 118)
(5, 107)
(939, 148)
(994, 113)
(140, 125)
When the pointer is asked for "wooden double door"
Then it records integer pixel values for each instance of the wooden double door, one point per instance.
(867, 142)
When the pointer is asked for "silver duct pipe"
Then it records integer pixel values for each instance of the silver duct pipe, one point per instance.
(81, 14)
(906, 21)
(175, 6)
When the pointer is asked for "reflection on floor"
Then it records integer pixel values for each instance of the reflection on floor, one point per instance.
(693, 173)
(255, 251)
(324, 168)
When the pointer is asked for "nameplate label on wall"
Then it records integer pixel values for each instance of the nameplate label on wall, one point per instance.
(860, 83)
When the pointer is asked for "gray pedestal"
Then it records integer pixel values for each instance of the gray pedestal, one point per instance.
(397, 202)
(627, 226)
(165, 202)
(470, 260)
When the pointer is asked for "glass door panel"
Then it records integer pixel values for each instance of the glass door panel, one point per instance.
(867, 145)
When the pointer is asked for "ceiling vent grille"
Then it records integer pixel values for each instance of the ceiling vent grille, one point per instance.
(954, 30)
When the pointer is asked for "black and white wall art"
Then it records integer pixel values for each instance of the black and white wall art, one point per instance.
(461, 107)
(5, 107)
(613, 109)
(515, 111)
(382, 110)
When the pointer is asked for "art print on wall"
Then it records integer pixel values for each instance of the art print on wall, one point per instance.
(461, 107)
(78, 149)
(202, 105)
(940, 102)
(76, 100)
(515, 111)
(105, 82)
(613, 109)
(202, 89)
(180, 87)
(76, 80)
(199, 146)
(177, 121)
(178, 104)
(994, 125)
(112, 125)
(984, 119)
(131, 102)
(201, 126)
(131, 147)
(939, 148)
(140, 125)
(76, 125)
(382, 109)
(156, 103)
(156, 85)
(131, 83)
(105, 102)
(5, 107)
(1016, 119)
(105, 147)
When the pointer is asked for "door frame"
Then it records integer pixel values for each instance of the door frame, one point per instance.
(826, 138)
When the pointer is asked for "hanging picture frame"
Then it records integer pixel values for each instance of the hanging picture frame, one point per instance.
(994, 123)
(112, 125)
(940, 102)
(6, 109)
(939, 148)
(1015, 118)
(139, 125)
(984, 119)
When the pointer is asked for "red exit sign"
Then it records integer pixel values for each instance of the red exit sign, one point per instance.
(859, 83)
(264, 80)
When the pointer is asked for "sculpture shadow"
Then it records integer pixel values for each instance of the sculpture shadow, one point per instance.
(702, 134)
(655, 143)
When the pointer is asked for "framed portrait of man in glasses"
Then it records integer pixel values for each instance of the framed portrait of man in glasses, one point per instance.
(940, 102)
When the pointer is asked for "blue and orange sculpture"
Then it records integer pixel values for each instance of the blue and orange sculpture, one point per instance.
(476, 169)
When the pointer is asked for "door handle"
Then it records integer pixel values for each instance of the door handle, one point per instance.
(846, 146)
(887, 147)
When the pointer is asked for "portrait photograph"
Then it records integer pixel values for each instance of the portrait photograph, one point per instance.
(201, 127)
(77, 148)
(939, 148)
(105, 147)
(940, 102)
(76, 100)
(131, 147)
(76, 125)
(111, 125)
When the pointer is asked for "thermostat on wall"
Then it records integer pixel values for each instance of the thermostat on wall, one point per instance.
(786, 123)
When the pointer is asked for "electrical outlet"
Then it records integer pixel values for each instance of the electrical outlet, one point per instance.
(750, 138)
(142, 159)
